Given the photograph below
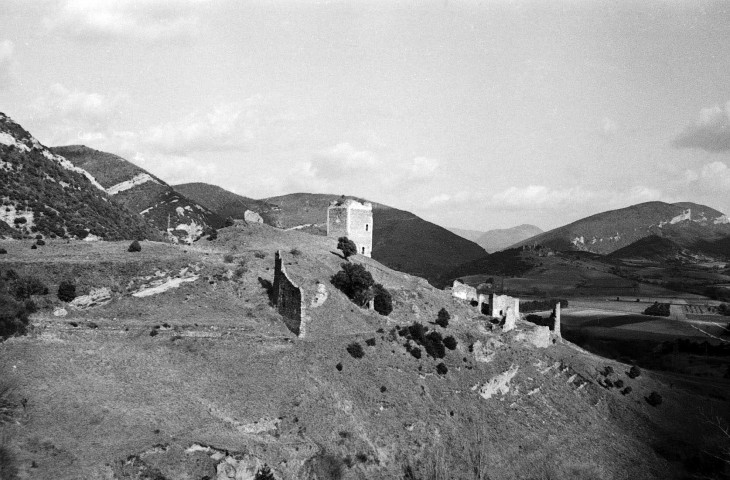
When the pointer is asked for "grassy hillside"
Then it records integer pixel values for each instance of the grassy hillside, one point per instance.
(43, 193)
(226, 204)
(141, 192)
(205, 378)
(401, 240)
(222, 380)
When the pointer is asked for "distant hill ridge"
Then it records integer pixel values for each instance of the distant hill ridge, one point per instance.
(44, 193)
(686, 224)
(144, 193)
(401, 240)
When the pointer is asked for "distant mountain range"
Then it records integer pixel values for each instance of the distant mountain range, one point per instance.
(687, 225)
(44, 193)
(499, 239)
(164, 208)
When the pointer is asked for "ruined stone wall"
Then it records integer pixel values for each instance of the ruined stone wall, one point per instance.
(464, 291)
(353, 220)
(498, 305)
(337, 221)
(288, 298)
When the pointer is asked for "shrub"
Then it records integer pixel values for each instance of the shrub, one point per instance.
(347, 246)
(40, 243)
(626, 391)
(383, 300)
(228, 258)
(13, 317)
(296, 252)
(654, 399)
(443, 318)
(24, 287)
(450, 342)
(66, 291)
(229, 222)
(370, 342)
(33, 247)
(134, 247)
(442, 369)
(213, 234)
(339, 367)
(618, 384)
(3, 251)
(658, 310)
(355, 350)
(633, 372)
(8, 462)
(416, 352)
(355, 282)
(264, 473)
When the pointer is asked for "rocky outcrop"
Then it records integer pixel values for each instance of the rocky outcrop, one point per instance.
(96, 298)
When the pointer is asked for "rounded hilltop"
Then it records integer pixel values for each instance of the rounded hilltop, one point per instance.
(188, 366)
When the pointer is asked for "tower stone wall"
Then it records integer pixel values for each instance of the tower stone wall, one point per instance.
(354, 220)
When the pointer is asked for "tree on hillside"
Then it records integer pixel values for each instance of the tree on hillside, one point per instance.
(347, 246)
(66, 291)
(383, 303)
(443, 318)
(355, 282)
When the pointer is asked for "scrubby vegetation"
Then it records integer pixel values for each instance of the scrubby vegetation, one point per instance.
(355, 350)
(347, 246)
(443, 318)
(134, 247)
(432, 342)
(383, 300)
(66, 291)
(15, 302)
(657, 310)
(69, 206)
(355, 282)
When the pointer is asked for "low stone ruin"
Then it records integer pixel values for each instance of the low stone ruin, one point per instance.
(464, 291)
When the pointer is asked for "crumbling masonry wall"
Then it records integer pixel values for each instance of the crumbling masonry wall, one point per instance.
(498, 305)
(288, 298)
(464, 291)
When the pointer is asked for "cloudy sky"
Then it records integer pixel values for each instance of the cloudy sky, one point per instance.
(470, 114)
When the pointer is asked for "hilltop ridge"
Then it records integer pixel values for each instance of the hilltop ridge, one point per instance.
(44, 193)
(138, 190)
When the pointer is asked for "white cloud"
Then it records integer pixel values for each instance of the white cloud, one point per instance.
(424, 166)
(152, 20)
(712, 178)
(344, 158)
(175, 169)
(710, 132)
(8, 65)
(76, 108)
(609, 127)
(220, 129)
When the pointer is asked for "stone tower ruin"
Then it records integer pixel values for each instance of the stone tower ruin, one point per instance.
(354, 220)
